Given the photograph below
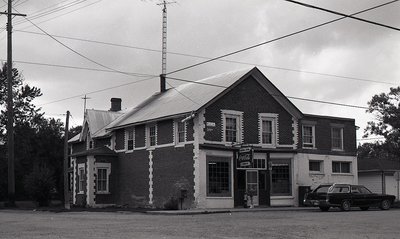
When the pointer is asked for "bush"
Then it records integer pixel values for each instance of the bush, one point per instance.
(39, 185)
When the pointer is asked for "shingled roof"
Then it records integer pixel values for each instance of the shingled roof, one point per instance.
(191, 97)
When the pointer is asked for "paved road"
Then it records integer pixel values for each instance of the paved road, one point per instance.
(263, 224)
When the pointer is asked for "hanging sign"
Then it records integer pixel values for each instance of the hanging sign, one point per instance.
(245, 157)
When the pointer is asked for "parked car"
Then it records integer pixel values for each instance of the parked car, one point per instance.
(346, 196)
(317, 197)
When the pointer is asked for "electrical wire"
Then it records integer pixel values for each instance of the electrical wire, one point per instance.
(345, 15)
(276, 39)
(204, 57)
(290, 97)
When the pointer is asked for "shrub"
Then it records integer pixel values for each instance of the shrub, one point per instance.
(39, 185)
(172, 204)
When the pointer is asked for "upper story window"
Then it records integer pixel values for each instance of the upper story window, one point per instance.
(130, 136)
(180, 132)
(152, 135)
(268, 128)
(337, 138)
(232, 126)
(308, 136)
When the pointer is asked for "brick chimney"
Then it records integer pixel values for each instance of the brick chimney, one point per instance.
(115, 104)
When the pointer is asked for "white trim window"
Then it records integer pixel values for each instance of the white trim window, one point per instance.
(308, 136)
(337, 138)
(81, 178)
(341, 167)
(151, 135)
(232, 126)
(180, 132)
(219, 179)
(103, 171)
(130, 139)
(268, 129)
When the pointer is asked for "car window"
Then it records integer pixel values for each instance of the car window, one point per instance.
(355, 189)
(339, 189)
(322, 189)
(364, 190)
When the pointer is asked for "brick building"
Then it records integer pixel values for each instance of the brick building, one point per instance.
(209, 142)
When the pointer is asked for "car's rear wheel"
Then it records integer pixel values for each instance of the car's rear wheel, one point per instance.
(324, 209)
(345, 205)
(364, 208)
(385, 204)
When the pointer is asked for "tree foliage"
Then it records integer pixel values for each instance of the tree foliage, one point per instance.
(386, 109)
(38, 141)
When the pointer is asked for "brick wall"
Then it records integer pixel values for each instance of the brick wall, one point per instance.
(140, 134)
(120, 139)
(323, 135)
(133, 180)
(173, 170)
(251, 98)
(165, 132)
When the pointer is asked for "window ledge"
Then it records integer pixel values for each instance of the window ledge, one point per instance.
(81, 193)
(309, 147)
(282, 197)
(129, 151)
(219, 197)
(346, 174)
(338, 150)
(317, 173)
(180, 145)
(103, 193)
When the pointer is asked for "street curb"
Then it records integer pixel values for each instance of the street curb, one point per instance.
(197, 212)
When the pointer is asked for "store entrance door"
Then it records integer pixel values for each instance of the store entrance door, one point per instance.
(252, 186)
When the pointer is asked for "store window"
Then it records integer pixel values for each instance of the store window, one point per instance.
(218, 177)
(281, 178)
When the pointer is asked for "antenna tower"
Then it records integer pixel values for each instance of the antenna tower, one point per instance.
(164, 37)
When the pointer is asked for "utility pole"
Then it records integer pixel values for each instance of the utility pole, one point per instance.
(10, 107)
(84, 104)
(66, 165)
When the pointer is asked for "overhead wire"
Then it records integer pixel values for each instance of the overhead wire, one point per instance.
(290, 97)
(345, 15)
(204, 57)
(276, 39)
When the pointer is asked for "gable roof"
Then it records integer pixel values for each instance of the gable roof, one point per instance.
(96, 121)
(191, 97)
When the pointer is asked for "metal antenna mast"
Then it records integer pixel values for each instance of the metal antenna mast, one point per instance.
(84, 103)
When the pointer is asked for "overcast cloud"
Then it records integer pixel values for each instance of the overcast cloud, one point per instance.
(207, 28)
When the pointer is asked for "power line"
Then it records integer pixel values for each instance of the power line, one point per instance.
(276, 39)
(74, 51)
(96, 91)
(204, 57)
(345, 15)
(80, 68)
(290, 97)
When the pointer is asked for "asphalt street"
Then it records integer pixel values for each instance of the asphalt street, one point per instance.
(258, 224)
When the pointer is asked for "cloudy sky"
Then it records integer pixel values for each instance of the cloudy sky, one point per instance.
(344, 62)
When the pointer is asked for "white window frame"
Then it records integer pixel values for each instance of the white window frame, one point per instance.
(274, 120)
(176, 132)
(127, 131)
(107, 167)
(239, 125)
(321, 166)
(313, 137)
(341, 137)
(148, 142)
(81, 178)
